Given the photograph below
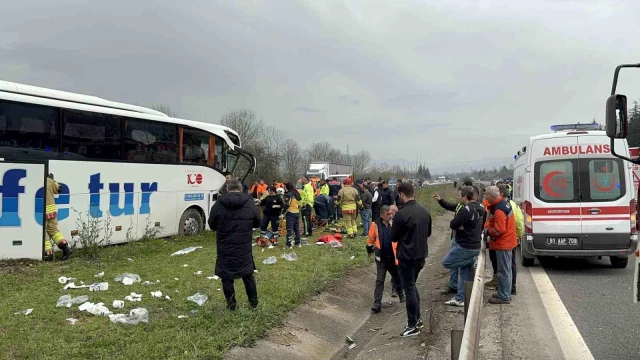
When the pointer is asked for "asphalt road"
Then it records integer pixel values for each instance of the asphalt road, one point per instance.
(599, 300)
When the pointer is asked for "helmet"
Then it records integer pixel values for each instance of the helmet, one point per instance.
(280, 191)
(347, 181)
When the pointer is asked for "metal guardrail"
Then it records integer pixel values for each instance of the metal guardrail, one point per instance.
(464, 343)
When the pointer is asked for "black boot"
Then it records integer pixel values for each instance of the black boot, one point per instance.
(66, 251)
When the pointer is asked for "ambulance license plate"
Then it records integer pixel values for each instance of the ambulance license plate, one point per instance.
(565, 241)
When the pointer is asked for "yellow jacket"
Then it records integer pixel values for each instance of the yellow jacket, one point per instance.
(50, 209)
(517, 213)
(306, 195)
(324, 189)
(349, 199)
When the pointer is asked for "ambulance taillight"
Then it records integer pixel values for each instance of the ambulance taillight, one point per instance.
(633, 215)
(528, 219)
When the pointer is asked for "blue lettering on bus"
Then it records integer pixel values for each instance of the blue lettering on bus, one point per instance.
(10, 191)
(194, 197)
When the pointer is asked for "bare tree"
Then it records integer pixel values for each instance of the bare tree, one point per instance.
(165, 109)
(292, 159)
(320, 152)
(247, 124)
(361, 162)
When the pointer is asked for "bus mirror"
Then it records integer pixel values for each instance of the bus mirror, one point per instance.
(617, 121)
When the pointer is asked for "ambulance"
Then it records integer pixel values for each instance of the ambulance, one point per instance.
(578, 200)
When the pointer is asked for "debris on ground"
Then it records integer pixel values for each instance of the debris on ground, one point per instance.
(64, 279)
(72, 321)
(135, 316)
(24, 312)
(185, 265)
(67, 300)
(133, 297)
(270, 260)
(95, 309)
(127, 278)
(199, 272)
(156, 294)
(118, 304)
(198, 298)
(187, 250)
(103, 286)
(99, 275)
(214, 277)
(292, 256)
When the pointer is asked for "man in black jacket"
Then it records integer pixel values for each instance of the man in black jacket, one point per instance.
(411, 230)
(453, 273)
(467, 239)
(233, 217)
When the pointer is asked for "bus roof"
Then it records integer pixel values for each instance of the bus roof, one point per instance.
(17, 92)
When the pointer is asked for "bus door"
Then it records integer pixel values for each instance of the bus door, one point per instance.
(22, 230)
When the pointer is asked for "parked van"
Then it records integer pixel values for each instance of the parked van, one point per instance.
(578, 200)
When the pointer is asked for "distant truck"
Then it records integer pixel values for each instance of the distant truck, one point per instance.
(326, 171)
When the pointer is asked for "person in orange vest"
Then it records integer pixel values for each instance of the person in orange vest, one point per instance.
(51, 224)
(254, 191)
(262, 188)
(379, 242)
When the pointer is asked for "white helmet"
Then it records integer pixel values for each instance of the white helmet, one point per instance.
(280, 191)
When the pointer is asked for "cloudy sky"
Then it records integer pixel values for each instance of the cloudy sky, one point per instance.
(450, 81)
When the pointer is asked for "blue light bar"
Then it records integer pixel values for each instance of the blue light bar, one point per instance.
(578, 126)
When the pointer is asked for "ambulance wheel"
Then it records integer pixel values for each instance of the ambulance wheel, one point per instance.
(191, 223)
(526, 260)
(619, 262)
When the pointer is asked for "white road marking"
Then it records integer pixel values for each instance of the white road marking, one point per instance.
(568, 335)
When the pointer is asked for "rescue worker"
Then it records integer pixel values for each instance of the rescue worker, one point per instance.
(334, 188)
(517, 213)
(324, 187)
(51, 224)
(379, 241)
(262, 188)
(321, 208)
(306, 204)
(453, 273)
(292, 214)
(500, 230)
(349, 202)
(255, 190)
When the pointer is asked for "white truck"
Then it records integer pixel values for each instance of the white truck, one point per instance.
(327, 170)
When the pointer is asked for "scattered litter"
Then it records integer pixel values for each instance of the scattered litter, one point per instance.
(214, 277)
(67, 301)
(270, 260)
(349, 340)
(64, 280)
(194, 311)
(219, 289)
(130, 259)
(72, 321)
(176, 279)
(199, 272)
(182, 316)
(375, 329)
(147, 283)
(335, 244)
(304, 242)
(198, 298)
(103, 286)
(292, 256)
(185, 265)
(156, 294)
(135, 316)
(118, 304)
(95, 309)
(25, 312)
(353, 346)
(74, 286)
(127, 279)
(133, 297)
(423, 344)
(270, 247)
(352, 257)
(100, 274)
(187, 250)
(167, 297)
(256, 271)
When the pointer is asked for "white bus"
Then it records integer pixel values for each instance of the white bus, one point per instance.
(125, 171)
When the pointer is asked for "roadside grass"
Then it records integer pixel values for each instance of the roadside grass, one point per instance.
(208, 333)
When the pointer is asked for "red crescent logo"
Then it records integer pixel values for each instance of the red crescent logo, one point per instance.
(604, 189)
(546, 183)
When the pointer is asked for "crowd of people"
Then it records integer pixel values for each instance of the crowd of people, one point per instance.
(396, 226)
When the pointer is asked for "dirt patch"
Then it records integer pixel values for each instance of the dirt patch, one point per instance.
(285, 338)
(8, 267)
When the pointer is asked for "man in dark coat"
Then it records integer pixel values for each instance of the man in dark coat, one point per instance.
(233, 217)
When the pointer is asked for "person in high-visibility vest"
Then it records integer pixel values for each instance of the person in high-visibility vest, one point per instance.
(349, 201)
(51, 224)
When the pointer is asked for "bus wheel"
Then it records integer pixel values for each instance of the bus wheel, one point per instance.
(191, 222)
(619, 262)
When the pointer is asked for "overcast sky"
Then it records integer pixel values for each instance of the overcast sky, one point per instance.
(450, 81)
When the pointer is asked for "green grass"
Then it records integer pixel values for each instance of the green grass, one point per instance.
(46, 334)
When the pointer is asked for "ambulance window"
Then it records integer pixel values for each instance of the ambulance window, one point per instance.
(556, 181)
(606, 180)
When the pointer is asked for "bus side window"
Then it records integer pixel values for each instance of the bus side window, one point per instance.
(30, 127)
(150, 141)
(92, 135)
(195, 146)
(220, 154)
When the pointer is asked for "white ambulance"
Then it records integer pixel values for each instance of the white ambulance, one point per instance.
(578, 200)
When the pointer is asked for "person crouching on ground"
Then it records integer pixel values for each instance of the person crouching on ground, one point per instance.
(462, 254)
(500, 228)
(379, 242)
(273, 205)
(233, 217)
(411, 230)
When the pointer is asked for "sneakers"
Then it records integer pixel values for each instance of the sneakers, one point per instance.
(454, 302)
(496, 300)
(420, 324)
(376, 309)
(413, 331)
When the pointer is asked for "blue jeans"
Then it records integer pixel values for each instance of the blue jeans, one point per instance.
(453, 273)
(366, 220)
(504, 273)
(293, 227)
(462, 261)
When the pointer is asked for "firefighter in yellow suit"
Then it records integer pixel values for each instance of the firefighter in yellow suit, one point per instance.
(349, 201)
(51, 224)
